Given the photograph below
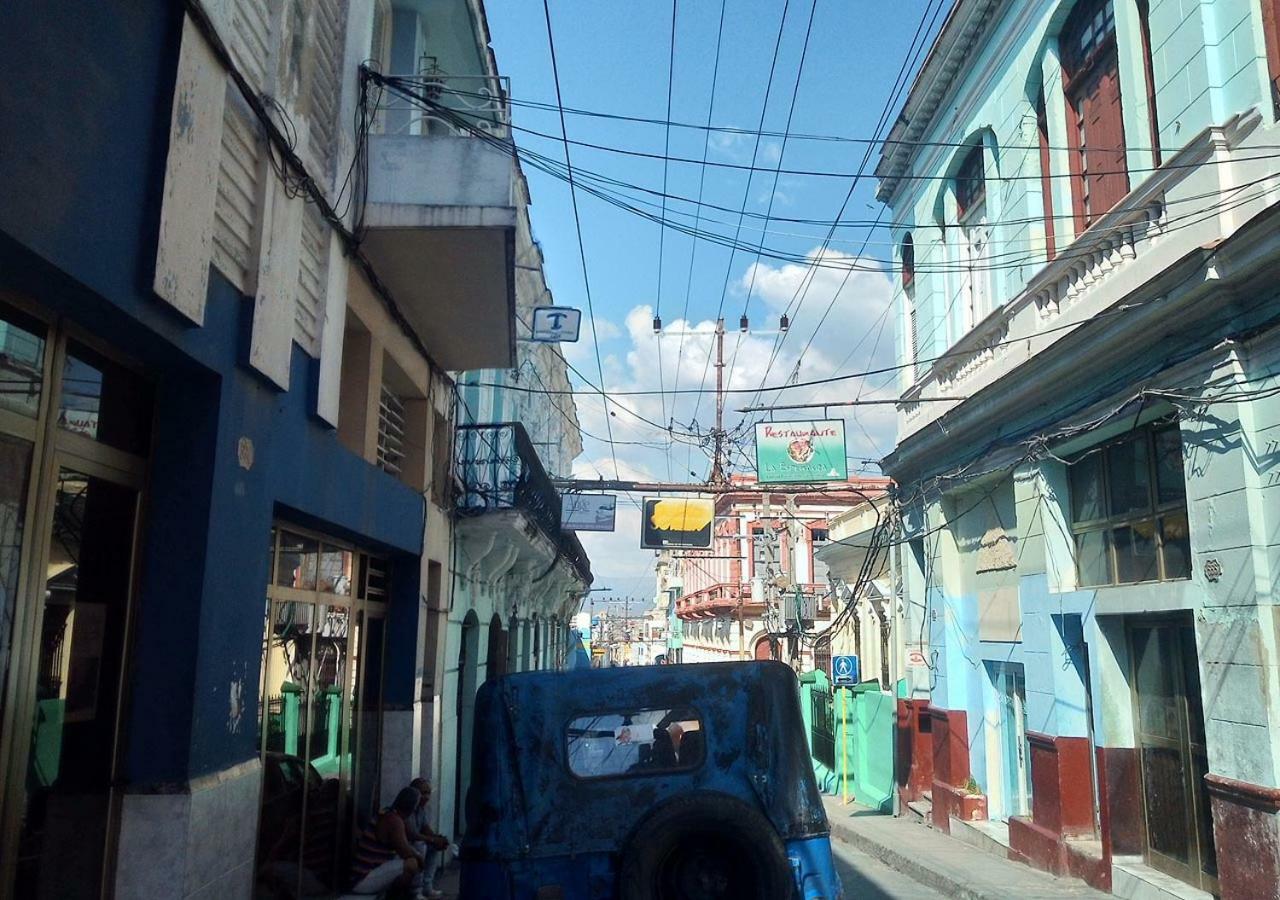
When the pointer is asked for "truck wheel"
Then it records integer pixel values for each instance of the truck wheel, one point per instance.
(705, 847)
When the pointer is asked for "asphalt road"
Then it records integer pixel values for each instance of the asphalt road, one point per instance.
(866, 878)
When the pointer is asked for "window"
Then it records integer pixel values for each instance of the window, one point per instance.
(1046, 179)
(1271, 31)
(636, 742)
(758, 551)
(1129, 510)
(390, 432)
(1095, 123)
(971, 209)
(971, 183)
(908, 252)
(819, 538)
(441, 461)
(1148, 72)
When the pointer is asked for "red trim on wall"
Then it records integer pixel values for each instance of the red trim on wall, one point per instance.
(1246, 837)
(1243, 792)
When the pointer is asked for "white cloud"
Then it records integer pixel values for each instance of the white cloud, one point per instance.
(616, 558)
(582, 351)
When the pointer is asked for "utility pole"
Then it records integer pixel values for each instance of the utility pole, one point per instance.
(717, 464)
(742, 634)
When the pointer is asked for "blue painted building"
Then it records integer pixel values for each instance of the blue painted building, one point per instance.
(1083, 196)
(226, 421)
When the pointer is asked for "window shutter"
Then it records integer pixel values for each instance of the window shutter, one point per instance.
(390, 432)
(325, 89)
(250, 40)
(915, 332)
(313, 278)
(235, 252)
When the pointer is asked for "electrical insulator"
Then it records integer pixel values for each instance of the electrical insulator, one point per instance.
(743, 324)
(657, 324)
(784, 323)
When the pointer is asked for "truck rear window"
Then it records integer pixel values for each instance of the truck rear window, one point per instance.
(635, 742)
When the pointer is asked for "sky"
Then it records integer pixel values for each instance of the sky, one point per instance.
(614, 58)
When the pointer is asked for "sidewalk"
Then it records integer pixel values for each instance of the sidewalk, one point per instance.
(447, 880)
(948, 866)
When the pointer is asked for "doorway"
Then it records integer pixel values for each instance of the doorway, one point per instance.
(1169, 733)
(320, 729)
(1010, 683)
(75, 430)
(468, 669)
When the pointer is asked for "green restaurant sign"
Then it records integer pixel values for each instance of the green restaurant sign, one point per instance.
(790, 452)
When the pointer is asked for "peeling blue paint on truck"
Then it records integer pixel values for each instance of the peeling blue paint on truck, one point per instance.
(742, 807)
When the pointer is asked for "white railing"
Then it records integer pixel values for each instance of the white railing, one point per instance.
(435, 103)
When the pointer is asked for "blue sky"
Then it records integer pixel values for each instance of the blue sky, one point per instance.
(613, 58)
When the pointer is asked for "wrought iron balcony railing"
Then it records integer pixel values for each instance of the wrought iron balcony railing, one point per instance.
(499, 469)
(434, 102)
(572, 550)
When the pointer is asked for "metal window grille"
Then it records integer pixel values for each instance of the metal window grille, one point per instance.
(822, 731)
(390, 432)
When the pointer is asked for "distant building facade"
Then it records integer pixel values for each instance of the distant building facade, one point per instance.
(762, 584)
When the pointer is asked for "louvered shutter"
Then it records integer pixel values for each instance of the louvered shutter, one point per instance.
(250, 40)
(239, 189)
(325, 89)
(313, 277)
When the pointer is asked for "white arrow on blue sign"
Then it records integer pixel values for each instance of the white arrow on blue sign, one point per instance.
(844, 669)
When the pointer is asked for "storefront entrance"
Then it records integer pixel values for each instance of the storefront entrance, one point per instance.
(74, 435)
(320, 729)
(1169, 727)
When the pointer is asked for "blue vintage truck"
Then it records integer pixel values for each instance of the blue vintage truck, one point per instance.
(645, 783)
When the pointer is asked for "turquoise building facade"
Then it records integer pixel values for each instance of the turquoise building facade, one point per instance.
(1083, 212)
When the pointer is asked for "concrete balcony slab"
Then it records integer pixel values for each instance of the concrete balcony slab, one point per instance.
(440, 229)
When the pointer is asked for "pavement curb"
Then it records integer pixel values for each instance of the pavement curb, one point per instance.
(904, 863)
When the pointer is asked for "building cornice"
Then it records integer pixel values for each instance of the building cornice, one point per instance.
(964, 28)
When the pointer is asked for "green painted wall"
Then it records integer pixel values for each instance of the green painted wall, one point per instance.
(864, 722)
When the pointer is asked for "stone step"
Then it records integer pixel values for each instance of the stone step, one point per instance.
(989, 837)
(1132, 879)
(920, 811)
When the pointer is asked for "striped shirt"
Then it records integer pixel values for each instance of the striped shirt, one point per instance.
(371, 852)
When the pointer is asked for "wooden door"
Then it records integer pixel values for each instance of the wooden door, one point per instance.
(1097, 141)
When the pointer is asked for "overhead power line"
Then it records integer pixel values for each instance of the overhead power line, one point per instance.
(747, 132)
(577, 222)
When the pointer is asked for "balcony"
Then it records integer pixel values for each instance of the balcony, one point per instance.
(1172, 217)
(440, 215)
(507, 506)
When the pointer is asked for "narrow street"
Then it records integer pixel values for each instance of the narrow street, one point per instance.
(661, 450)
